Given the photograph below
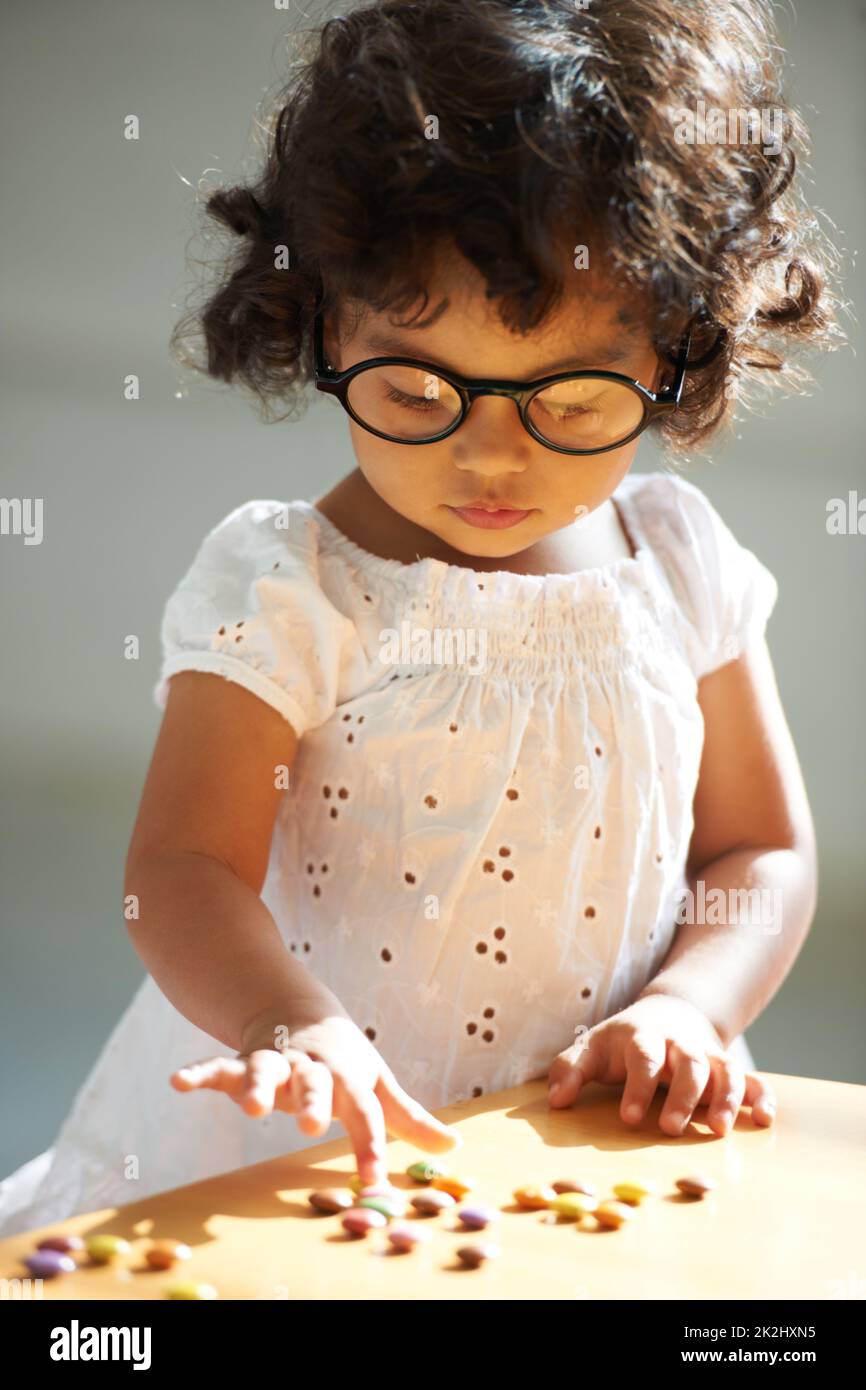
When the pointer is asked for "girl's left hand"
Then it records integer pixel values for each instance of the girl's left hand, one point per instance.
(662, 1040)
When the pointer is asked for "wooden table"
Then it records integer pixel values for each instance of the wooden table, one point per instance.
(786, 1221)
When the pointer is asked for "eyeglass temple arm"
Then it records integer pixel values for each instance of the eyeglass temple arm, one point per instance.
(711, 353)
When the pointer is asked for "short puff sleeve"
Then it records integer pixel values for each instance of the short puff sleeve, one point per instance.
(725, 592)
(251, 609)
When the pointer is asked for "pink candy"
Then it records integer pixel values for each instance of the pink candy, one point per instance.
(405, 1238)
(359, 1220)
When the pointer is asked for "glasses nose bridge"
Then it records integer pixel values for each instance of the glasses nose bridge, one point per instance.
(494, 389)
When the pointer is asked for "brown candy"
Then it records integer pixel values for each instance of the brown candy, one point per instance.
(474, 1255)
(432, 1201)
(331, 1199)
(695, 1185)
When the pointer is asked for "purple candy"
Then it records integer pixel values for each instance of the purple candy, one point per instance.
(477, 1217)
(46, 1264)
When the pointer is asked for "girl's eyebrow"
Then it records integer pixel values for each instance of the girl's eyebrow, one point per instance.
(384, 345)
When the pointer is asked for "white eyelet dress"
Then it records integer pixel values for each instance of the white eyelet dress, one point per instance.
(483, 840)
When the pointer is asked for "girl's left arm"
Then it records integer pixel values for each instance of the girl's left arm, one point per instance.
(753, 830)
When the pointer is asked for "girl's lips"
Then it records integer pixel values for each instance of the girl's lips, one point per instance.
(477, 516)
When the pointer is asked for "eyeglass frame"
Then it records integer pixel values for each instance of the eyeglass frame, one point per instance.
(655, 403)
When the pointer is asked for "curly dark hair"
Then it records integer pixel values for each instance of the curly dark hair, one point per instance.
(551, 117)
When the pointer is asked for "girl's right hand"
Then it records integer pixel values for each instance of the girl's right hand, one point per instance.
(325, 1071)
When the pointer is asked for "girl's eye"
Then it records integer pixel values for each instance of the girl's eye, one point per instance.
(411, 402)
(568, 412)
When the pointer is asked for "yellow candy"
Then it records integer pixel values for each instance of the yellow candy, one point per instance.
(190, 1289)
(102, 1249)
(534, 1198)
(634, 1192)
(455, 1187)
(573, 1205)
(613, 1214)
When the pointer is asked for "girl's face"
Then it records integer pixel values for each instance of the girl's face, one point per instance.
(491, 457)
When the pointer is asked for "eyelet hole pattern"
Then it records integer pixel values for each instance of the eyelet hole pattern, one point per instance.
(342, 793)
(487, 1035)
(482, 948)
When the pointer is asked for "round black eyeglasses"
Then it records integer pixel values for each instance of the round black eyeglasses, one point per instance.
(408, 401)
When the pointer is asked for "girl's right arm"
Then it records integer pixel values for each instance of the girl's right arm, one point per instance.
(195, 868)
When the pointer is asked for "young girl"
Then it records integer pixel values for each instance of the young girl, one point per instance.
(456, 757)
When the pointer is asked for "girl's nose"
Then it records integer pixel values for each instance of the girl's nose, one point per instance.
(492, 438)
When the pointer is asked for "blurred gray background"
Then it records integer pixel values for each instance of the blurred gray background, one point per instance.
(95, 230)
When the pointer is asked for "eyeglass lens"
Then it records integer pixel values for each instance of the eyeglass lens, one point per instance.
(411, 404)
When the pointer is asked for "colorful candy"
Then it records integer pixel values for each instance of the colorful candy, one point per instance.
(613, 1214)
(426, 1169)
(163, 1254)
(47, 1264)
(534, 1198)
(474, 1255)
(360, 1220)
(360, 1187)
(103, 1249)
(477, 1217)
(405, 1237)
(634, 1192)
(456, 1187)
(189, 1289)
(331, 1199)
(695, 1185)
(432, 1202)
(571, 1206)
(569, 1185)
(65, 1244)
(388, 1206)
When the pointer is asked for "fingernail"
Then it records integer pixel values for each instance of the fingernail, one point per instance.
(677, 1119)
(633, 1113)
(554, 1090)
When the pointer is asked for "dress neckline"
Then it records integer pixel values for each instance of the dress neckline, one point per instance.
(599, 574)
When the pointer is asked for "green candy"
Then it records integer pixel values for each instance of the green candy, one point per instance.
(425, 1170)
(388, 1206)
